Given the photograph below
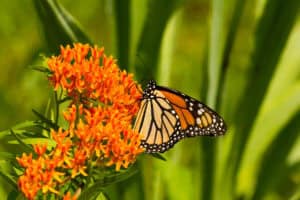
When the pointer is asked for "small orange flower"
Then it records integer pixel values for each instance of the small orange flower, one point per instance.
(104, 101)
(68, 196)
(40, 149)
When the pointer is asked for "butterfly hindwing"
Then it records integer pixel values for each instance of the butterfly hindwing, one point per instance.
(166, 116)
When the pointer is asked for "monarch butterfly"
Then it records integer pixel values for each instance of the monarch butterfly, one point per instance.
(167, 116)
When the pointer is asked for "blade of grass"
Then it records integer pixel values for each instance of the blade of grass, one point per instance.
(216, 47)
(167, 48)
(101, 183)
(238, 8)
(138, 14)
(158, 156)
(281, 98)
(158, 34)
(45, 120)
(275, 158)
(150, 40)
(271, 27)
(9, 180)
(123, 26)
(7, 156)
(23, 125)
(21, 142)
(220, 46)
(60, 28)
(269, 124)
(296, 195)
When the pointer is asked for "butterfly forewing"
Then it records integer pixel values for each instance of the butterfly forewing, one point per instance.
(157, 123)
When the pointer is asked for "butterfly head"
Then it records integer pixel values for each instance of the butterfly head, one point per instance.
(149, 91)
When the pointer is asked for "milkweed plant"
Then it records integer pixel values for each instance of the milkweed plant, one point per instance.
(98, 140)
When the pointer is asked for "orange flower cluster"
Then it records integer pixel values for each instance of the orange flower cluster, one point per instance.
(104, 102)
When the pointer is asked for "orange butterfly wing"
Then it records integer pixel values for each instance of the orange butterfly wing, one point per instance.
(166, 116)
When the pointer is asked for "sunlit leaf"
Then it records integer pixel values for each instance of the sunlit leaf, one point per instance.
(271, 27)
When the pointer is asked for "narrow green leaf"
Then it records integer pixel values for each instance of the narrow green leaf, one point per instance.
(158, 156)
(222, 34)
(7, 156)
(50, 143)
(269, 124)
(296, 196)
(21, 197)
(238, 8)
(101, 196)
(23, 125)
(9, 180)
(216, 47)
(167, 48)
(59, 26)
(150, 40)
(123, 27)
(45, 120)
(26, 146)
(42, 69)
(271, 27)
(100, 184)
(18, 129)
(138, 12)
(275, 158)
(16, 195)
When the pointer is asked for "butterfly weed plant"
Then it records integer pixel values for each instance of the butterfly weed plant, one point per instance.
(98, 143)
(248, 72)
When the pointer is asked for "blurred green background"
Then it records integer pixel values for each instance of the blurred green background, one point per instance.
(240, 57)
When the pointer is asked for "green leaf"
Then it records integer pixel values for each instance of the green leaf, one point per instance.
(59, 26)
(26, 146)
(269, 123)
(101, 183)
(21, 197)
(296, 196)
(7, 156)
(101, 196)
(18, 129)
(23, 125)
(167, 48)
(16, 195)
(123, 28)
(223, 30)
(45, 120)
(274, 164)
(42, 69)
(150, 40)
(231, 35)
(158, 156)
(9, 180)
(271, 27)
(48, 141)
